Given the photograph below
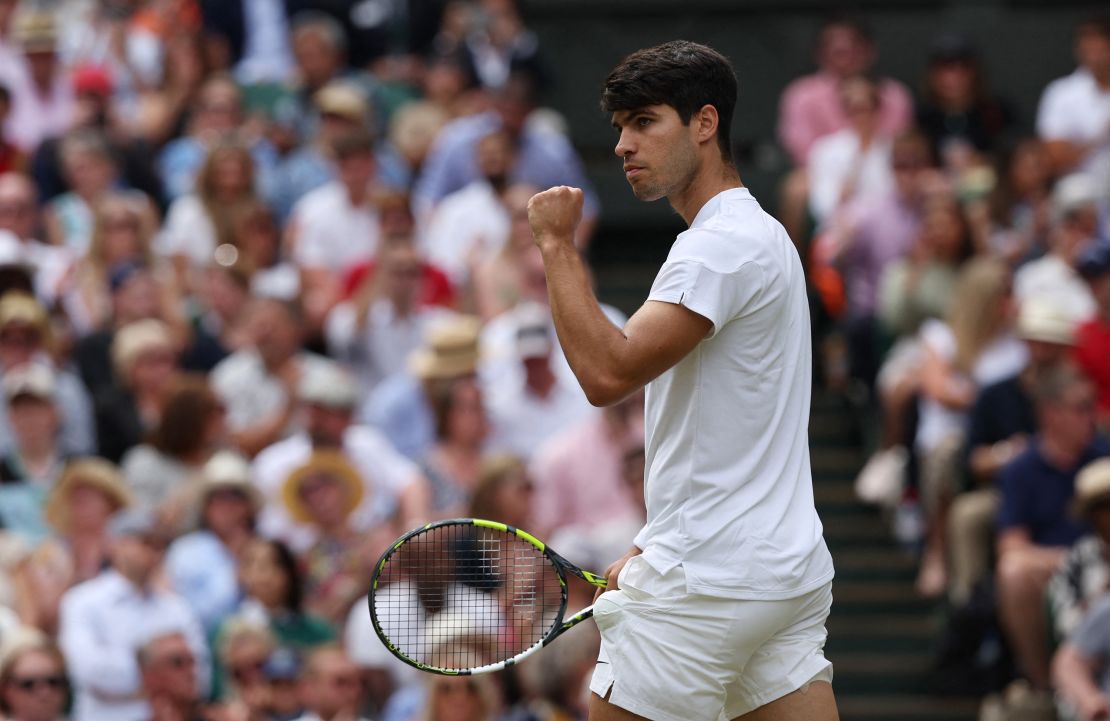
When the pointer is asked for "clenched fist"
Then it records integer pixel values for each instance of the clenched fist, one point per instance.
(554, 215)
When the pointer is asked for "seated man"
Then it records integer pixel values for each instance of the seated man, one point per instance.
(1035, 525)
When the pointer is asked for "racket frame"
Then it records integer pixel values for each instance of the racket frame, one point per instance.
(562, 567)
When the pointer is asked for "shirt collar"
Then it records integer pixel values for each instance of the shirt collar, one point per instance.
(714, 204)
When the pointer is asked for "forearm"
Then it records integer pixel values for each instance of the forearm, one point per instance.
(592, 344)
(1073, 679)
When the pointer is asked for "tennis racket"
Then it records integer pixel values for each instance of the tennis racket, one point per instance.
(466, 596)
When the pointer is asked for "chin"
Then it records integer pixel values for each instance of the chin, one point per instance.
(648, 193)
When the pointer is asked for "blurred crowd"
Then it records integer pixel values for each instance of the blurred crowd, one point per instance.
(960, 266)
(269, 298)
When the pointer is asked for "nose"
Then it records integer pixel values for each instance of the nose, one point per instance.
(625, 146)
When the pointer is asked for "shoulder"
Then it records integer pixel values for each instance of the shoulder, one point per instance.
(319, 200)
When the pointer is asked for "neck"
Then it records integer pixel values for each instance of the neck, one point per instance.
(715, 178)
(38, 453)
(1102, 76)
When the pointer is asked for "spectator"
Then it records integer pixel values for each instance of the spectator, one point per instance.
(543, 158)
(123, 231)
(1019, 202)
(258, 382)
(377, 330)
(503, 492)
(200, 222)
(105, 621)
(1074, 224)
(453, 462)
(854, 163)
(394, 492)
(918, 287)
(810, 106)
(91, 173)
(29, 470)
(161, 111)
(1072, 117)
(1080, 604)
(463, 698)
(273, 597)
(203, 566)
(542, 403)
(25, 337)
(19, 216)
(1034, 526)
(33, 685)
(579, 472)
(1092, 351)
(319, 50)
(401, 406)
(162, 472)
(503, 279)
(42, 96)
(322, 494)
(240, 659)
(282, 674)
(471, 224)
(145, 359)
(79, 507)
(1001, 422)
(169, 680)
(973, 349)
(335, 226)
(257, 242)
(331, 686)
(964, 123)
(253, 37)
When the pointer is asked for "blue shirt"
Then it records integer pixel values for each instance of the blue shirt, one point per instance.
(1036, 495)
(204, 572)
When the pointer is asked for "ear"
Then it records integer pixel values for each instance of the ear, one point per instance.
(705, 122)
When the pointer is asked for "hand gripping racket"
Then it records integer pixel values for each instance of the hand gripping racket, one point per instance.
(466, 596)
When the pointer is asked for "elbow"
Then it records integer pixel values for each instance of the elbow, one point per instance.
(606, 391)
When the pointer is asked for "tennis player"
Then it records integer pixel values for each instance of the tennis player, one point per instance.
(720, 606)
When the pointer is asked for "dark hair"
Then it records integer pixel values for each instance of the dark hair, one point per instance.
(684, 75)
(355, 142)
(184, 422)
(1097, 23)
(854, 23)
(1050, 389)
(294, 596)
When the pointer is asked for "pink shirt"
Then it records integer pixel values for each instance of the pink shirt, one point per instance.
(810, 109)
(578, 478)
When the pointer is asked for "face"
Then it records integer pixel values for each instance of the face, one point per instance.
(1029, 169)
(227, 509)
(32, 419)
(276, 333)
(36, 690)
(952, 80)
(909, 164)
(1073, 417)
(219, 108)
(315, 58)
(245, 661)
(457, 699)
(262, 575)
(326, 426)
(942, 232)
(402, 272)
(153, 369)
(122, 239)
(860, 101)
(137, 557)
(1092, 49)
(89, 507)
(19, 342)
(170, 669)
(17, 210)
(231, 175)
(495, 156)
(467, 421)
(337, 685)
(325, 497)
(514, 500)
(356, 170)
(843, 52)
(137, 299)
(658, 150)
(1046, 355)
(89, 173)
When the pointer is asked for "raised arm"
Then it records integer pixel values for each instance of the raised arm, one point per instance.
(609, 362)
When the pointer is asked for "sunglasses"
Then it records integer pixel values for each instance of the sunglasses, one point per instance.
(179, 661)
(30, 683)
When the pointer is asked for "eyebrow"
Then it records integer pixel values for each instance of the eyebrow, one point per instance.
(632, 115)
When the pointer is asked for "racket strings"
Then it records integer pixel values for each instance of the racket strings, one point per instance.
(458, 597)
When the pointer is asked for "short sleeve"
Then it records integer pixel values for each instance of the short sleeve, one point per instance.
(1092, 635)
(1054, 120)
(1012, 506)
(717, 296)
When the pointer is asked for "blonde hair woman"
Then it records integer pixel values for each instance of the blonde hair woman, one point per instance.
(974, 347)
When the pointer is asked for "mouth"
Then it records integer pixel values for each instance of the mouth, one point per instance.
(631, 171)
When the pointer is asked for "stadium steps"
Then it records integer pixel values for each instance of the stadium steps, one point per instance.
(882, 635)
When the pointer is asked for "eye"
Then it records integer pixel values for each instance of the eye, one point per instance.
(643, 122)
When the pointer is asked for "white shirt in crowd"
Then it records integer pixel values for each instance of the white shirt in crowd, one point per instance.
(728, 486)
(522, 421)
(332, 233)
(103, 624)
(1076, 109)
(49, 264)
(249, 391)
(1053, 280)
(834, 158)
(469, 224)
(188, 232)
(382, 345)
(385, 473)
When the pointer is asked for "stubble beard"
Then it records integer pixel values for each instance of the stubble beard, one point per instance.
(680, 169)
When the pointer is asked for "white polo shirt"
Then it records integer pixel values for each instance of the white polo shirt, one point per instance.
(728, 486)
(1075, 108)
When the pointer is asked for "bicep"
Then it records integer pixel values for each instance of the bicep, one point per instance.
(659, 336)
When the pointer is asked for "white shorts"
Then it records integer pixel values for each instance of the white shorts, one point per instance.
(669, 655)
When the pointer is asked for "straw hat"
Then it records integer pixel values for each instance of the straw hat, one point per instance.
(331, 464)
(342, 99)
(136, 338)
(94, 472)
(35, 31)
(227, 470)
(17, 307)
(450, 350)
(1092, 485)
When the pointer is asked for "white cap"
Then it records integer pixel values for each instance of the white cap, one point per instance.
(328, 384)
(32, 379)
